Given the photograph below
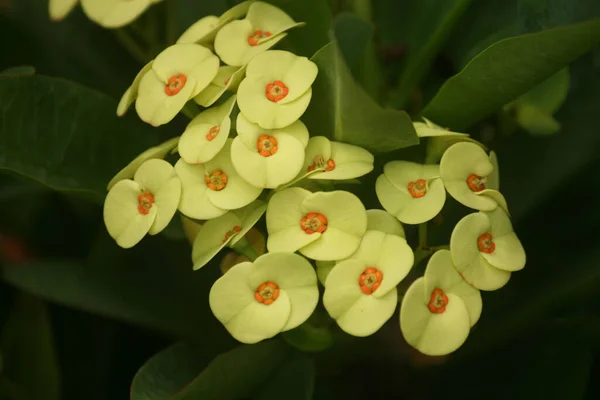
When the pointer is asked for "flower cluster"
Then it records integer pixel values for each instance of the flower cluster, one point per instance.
(247, 153)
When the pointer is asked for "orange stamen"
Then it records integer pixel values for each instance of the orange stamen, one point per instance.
(476, 183)
(313, 222)
(266, 145)
(256, 36)
(145, 202)
(217, 180)
(266, 293)
(486, 244)
(213, 133)
(370, 280)
(438, 301)
(276, 91)
(418, 188)
(175, 84)
(319, 162)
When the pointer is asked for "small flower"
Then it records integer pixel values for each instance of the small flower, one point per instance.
(268, 158)
(159, 151)
(177, 75)
(132, 91)
(228, 78)
(206, 134)
(204, 30)
(361, 291)
(439, 139)
(485, 249)
(209, 190)
(256, 301)
(377, 220)
(143, 205)
(265, 25)
(277, 88)
(59, 9)
(439, 309)
(322, 226)
(413, 193)
(115, 13)
(429, 129)
(471, 176)
(225, 230)
(336, 160)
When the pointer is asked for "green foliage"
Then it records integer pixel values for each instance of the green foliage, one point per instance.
(506, 70)
(65, 135)
(341, 110)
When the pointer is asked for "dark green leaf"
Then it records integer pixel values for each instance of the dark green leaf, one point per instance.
(549, 95)
(535, 15)
(341, 110)
(29, 358)
(352, 35)
(295, 380)
(21, 70)
(179, 372)
(535, 120)
(66, 136)
(506, 70)
(152, 285)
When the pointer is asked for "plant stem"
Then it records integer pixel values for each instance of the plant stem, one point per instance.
(423, 235)
(363, 9)
(244, 248)
(190, 110)
(132, 46)
(171, 28)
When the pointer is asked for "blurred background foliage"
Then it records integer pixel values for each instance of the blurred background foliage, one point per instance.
(80, 316)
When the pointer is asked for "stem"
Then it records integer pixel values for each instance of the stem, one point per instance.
(418, 66)
(171, 22)
(190, 110)
(363, 9)
(132, 46)
(244, 248)
(423, 236)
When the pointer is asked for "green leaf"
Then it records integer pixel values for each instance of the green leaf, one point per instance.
(30, 361)
(535, 120)
(66, 136)
(341, 110)
(180, 372)
(294, 380)
(152, 285)
(506, 70)
(352, 35)
(535, 15)
(21, 70)
(549, 95)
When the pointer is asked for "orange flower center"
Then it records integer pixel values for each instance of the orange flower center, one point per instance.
(213, 133)
(175, 84)
(145, 201)
(370, 280)
(266, 145)
(476, 183)
(276, 91)
(319, 162)
(486, 244)
(216, 180)
(266, 293)
(256, 36)
(438, 301)
(230, 233)
(313, 222)
(417, 188)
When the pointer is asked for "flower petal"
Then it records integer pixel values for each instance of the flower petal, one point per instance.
(232, 301)
(391, 198)
(154, 106)
(382, 221)
(227, 78)
(197, 145)
(461, 193)
(269, 18)
(368, 314)
(318, 147)
(440, 273)
(334, 244)
(493, 179)
(184, 59)
(113, 13)
(159, 151)
(343, 289)
(290, 239)
(132, 92)
(295, 276)
(153, 174)
(201, 31)
(166, 200)
(257, 108)
(249, 216)
(344, 211)
(212, 237)
(401, 173)
(194, 201)
(323, 270)
(497, 197)
(433, 334)
(231, 43)
(429, 129)
(285, 209)
(60, 8)
(419, 210)
(123, 221)
(350, 162)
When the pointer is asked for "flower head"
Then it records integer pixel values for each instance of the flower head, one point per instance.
(268, 158)
(115, 13)
(336, 160)
(225, 230)
(485, 249)
(132, 91)
(439, 309)
(206, 134)
(322, 226)
(471, 176)
(204, 30)
(143, 205)
(277, 88)
(227, 78)
(413, 193)
(265, 25)
(59, 9)
(159, 151)
(256, 301)
(361, 291)
(210, 189)
(177, 75)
